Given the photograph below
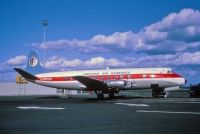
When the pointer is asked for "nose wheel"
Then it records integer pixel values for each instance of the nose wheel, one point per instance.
(158, 93)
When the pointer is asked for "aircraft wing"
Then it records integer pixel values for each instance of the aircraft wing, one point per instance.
(91, 83)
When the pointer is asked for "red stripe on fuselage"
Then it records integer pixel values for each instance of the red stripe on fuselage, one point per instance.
(114, 77)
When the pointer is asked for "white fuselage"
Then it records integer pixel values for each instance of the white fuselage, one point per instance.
(139, 78)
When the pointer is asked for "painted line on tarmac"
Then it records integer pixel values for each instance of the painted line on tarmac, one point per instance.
(167, 112)
(192, 102)
(47, 108)
(130, 104)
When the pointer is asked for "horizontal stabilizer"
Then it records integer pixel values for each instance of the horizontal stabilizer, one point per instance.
(25, 74)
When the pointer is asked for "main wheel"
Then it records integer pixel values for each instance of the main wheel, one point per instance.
(111, 95)
(100, 96)
(192, 94)
(158, 93)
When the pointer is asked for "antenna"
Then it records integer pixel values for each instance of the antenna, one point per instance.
(44, 23)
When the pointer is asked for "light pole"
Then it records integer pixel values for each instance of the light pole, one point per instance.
(44, 23)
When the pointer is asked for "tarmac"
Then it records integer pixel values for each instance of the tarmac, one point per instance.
(87, 115)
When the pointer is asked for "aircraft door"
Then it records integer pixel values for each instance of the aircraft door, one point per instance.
(130, 82)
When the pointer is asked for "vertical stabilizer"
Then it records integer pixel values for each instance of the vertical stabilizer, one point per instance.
(33, 65)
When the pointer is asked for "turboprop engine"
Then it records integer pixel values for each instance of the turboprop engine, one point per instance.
(116, 83)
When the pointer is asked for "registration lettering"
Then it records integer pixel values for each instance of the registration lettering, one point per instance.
(46, 79)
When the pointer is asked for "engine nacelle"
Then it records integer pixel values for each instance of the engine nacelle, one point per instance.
(116, 83)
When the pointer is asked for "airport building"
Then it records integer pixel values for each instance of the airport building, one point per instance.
(13, 88)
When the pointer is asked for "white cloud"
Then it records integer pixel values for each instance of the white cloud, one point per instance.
(100, 43)
(176, 28)
(192, 30)
(166, 60)
(186, 17)
(18, 60)
(72, 63)
(62, 63)
(182, 26)
(100, 61)
(54, 62)
(7, 76)
(163, 60)
(188, 58)
(115, 62)
(96, 61)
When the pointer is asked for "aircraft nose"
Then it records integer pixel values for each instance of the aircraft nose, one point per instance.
(185, 81)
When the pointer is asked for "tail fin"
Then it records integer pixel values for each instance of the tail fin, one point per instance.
(33, 65)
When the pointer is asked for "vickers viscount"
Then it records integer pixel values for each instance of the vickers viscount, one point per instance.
(108, 81)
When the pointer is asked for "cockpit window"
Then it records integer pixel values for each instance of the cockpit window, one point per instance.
(169, 71)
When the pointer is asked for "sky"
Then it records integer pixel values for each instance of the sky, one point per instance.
(95, 34)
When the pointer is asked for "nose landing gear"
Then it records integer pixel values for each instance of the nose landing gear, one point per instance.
(158, 92)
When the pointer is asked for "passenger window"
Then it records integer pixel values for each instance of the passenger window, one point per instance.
(144, 75)
(169, 71)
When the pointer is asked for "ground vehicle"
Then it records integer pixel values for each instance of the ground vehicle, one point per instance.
(195, 91)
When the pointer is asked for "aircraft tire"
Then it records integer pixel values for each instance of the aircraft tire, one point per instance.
(100, 96)
(158, 93)
(111, 95)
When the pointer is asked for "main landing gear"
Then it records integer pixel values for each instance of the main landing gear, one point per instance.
(65, 93)
(100, 95)
(158, 92)
(111, 95)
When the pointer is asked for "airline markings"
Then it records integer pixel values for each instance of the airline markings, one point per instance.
(112, 77)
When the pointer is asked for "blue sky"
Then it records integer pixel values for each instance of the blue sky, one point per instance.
(93, 34)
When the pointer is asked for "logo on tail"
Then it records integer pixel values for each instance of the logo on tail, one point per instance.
(33, 64)
(33, 61)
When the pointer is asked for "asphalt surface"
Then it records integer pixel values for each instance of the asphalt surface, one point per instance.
(80, 115)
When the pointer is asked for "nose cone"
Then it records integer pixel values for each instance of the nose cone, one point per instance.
(180, 80)
(183, 81)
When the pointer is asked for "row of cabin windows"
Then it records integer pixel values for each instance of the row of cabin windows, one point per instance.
(120, 73)
(110, 76)
(120, 76)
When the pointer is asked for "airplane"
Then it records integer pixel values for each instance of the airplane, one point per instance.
(107, 81)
